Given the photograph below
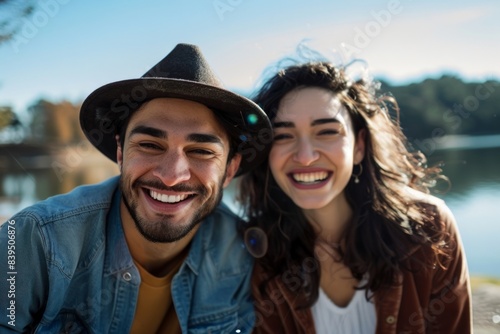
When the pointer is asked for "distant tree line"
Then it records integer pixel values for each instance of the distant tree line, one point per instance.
(51, 123)
(447, 106)
(431, 108)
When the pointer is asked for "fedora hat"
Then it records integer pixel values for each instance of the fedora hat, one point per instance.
(185, 74)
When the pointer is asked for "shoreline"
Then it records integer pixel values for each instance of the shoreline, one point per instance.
(465, 142)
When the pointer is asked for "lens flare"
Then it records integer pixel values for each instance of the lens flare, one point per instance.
(256, 241)
(252, 119)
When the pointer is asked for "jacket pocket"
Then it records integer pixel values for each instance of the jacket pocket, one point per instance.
(65, 323)
(224, 323)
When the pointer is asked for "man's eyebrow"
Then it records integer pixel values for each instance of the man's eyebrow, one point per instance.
(147, 130)
(193, 137)
(283, 125)
(204, 138)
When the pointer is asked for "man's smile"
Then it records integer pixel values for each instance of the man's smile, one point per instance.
(167, 198)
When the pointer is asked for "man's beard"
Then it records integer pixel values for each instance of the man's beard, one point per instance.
(161, 230)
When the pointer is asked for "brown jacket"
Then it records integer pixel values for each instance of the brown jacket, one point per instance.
(426, 301)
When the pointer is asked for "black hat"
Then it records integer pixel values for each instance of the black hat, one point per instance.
(183, 73)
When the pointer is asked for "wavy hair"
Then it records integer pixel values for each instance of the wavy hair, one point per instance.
(386, 219)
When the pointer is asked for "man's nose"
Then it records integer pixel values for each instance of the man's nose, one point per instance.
(173, 168)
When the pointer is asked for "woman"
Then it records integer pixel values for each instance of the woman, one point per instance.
(347, 237)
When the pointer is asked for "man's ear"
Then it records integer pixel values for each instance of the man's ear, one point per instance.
(359, 147)
(231, 169)
(119, 152)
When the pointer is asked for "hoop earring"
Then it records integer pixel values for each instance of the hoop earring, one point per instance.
(358, 174)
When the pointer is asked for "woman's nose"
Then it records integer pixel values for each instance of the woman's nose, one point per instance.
(305, 153)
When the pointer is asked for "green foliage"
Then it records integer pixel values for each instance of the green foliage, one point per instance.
(11, 128)
(478, 281)
(7, 117)
(12, 13)
(447, 106)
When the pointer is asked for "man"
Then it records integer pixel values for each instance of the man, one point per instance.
(153, 250)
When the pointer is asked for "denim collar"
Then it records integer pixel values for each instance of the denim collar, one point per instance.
(118, 256)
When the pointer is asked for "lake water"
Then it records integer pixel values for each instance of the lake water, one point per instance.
(474, 196)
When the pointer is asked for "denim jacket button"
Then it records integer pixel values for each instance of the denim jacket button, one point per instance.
(390, 319)
(127, 276)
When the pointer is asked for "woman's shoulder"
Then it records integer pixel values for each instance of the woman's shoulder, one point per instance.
(434, 208)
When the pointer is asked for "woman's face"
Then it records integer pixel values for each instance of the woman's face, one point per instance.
(314, 148)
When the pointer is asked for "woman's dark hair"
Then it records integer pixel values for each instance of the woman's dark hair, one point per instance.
(386, 219)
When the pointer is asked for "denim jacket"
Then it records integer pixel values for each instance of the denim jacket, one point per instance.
(66, 268)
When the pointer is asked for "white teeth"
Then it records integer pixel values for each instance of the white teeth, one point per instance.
(310, 177)
(167, 198)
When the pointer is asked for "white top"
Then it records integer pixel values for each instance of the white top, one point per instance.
(356, 318)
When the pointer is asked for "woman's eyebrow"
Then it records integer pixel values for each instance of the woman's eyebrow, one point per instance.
(324, 121)
(313, 123)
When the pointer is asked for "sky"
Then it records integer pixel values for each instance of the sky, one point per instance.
(68, 48)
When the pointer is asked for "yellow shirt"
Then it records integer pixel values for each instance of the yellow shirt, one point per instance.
(155, 311)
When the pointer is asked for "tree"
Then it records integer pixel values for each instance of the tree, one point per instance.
(447, 106)
(11, 128)
(55, 123)
(11, 14)
(7, 116)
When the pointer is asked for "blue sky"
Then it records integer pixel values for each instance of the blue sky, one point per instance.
(68, 48)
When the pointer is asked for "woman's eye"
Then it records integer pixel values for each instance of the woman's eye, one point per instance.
(328, 132)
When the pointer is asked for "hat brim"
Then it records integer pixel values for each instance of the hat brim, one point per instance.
(122, 98)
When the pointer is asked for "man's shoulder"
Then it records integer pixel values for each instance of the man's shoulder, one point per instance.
(83, 200)
(224, 210)
(70, 229)
(221, 240)
(224, 221)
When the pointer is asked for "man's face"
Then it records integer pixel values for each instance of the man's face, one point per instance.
(173, 167)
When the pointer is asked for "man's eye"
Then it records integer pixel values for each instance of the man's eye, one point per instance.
(150, 146)
(282, 136)
(201, 151)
